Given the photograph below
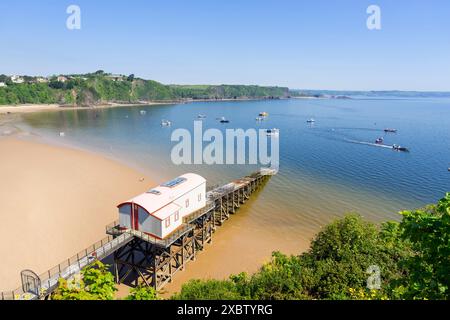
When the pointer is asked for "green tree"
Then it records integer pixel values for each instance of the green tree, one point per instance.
(142, 293)
(208, 290)
(428, 230)
(95, 283)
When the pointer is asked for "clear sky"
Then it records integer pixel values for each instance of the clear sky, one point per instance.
(320, 44)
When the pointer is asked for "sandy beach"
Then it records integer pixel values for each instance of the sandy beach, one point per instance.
(27, 108)
(55, 202)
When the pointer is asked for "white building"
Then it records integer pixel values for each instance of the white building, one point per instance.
(160, 211)
(17, 79)
(2, 84)
(115, 77)
(62, 79)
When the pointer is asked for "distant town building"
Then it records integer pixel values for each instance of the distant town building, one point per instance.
(115, 77)
(2, 84)
(41, 80)
(17, 79)
(61, 79)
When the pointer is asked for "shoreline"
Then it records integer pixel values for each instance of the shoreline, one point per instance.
(28, 108)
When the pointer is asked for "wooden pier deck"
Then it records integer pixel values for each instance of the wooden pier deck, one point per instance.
(144, 259)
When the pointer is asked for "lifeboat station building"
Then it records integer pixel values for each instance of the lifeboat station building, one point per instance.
(160, 211)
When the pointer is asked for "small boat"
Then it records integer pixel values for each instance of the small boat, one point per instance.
(387, 130)
(310, 120)
(201, 116)
(259, 119)
(166, 123)
(143, 112)
(272, 132)
(379, 140)
(223, 120)
(263, 114)
(399, 148)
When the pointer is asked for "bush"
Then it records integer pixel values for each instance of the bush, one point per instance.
(95, 283)
(142, 293)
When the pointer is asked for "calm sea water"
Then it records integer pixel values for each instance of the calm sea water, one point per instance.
(322, 175)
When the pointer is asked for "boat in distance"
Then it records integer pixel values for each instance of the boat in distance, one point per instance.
(272, 132)
(399, 148)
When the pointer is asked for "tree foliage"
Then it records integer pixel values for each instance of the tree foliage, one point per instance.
(428, 230)
(142, 293)
(95, 283)
(99, 87)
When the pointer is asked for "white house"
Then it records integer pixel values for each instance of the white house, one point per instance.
(17, 79)
(115, 77)
(61, 79)
(160, 211)
(2, 84)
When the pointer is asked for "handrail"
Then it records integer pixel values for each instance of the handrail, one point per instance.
(68, 268)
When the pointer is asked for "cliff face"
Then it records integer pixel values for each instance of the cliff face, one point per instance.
(91, 89)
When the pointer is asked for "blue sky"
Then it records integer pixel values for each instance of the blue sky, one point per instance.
(321, 44)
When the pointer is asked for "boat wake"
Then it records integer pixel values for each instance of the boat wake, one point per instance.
(369, 143)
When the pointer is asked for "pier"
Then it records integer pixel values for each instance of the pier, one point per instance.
(144, 259)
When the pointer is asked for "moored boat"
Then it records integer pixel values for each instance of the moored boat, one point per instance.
(388, 130)
(310, 120)
(166, 123)
(272, 132)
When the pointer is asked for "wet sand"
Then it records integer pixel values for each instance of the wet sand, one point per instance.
(241, 244)
(54, 202)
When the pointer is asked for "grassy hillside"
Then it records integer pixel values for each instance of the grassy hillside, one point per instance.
(100, 87)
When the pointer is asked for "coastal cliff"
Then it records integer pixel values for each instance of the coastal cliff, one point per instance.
(100, 88)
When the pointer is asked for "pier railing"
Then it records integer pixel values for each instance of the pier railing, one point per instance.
(68, 268)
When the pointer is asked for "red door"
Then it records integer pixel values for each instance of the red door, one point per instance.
(135, 217)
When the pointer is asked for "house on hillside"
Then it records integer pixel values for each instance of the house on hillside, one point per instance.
(2, 84)
(17, 79)
(115, 77)
(41, 80)
(160, 211)
(62, 79)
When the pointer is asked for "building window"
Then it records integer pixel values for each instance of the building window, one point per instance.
(187, 203)
(177, 215)
(167, 222)
(199, 197)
